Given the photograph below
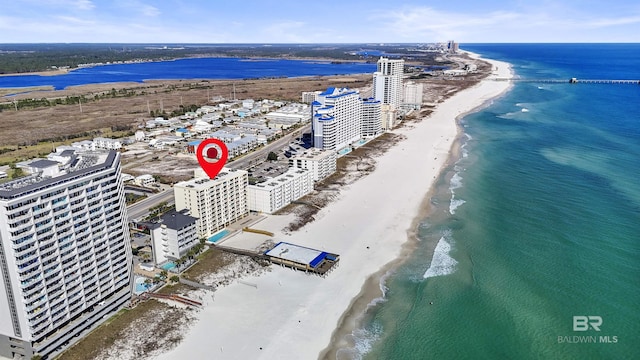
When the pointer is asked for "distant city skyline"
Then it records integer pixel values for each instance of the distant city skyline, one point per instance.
(284, 21)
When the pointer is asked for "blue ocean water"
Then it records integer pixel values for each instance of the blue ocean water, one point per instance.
(538, 221)
(193, 68)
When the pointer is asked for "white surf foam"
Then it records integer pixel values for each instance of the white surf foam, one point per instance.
(364, 339)
(441, 263)
(456, 182)
(454, 204)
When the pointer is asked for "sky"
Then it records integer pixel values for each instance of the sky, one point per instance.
(328, 21)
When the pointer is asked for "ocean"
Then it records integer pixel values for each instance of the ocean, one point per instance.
(192, 68)
(532, 250)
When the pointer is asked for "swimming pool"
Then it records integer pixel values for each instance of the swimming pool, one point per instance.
(168, 266)
(344, 151)
(140, 285)
(218, 236)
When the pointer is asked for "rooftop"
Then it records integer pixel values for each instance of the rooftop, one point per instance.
(296, 253)
(86, 163)
(176, 220)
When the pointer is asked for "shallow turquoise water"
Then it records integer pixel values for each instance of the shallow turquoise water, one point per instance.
(538, 222)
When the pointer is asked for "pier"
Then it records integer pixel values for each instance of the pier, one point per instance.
(572, 81)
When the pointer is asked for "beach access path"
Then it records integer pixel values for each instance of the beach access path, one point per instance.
(286, 314)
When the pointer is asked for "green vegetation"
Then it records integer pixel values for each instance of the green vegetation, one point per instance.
(272, 156)
(133, 198)
(32, 149)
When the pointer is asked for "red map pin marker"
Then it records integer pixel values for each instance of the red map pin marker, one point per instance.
(211, 163)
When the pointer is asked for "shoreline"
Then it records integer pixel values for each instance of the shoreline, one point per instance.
(285, 314)
(372, 291)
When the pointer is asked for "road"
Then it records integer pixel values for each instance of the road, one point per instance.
(141, 208)
(261, 155)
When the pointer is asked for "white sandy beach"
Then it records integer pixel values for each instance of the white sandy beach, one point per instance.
(290, 315)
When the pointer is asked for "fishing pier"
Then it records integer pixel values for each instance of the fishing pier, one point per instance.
(572, 81)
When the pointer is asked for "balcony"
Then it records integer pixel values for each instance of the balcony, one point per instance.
(36, 304)
(30, 288)
(27, 262)
(40, 326)
(51, 267)
(68, 255)
(73, 268)
(35, 295)
(105, 282)
(58, 316)
(47, 241)
(25, 240)
(86, 259)
(37, 210)
(73, 310)
(26, 225)
(37, 314)
(76, 208)
(52, 255)
(25, 252)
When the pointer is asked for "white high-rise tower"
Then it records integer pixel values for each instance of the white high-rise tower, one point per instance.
(65, 252)
(387, 82)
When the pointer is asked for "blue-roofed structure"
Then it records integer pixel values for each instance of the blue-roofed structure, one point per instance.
(301, 257)
(329, 91)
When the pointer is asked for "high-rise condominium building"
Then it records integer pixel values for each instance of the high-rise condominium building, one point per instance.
(336, 120)
(413, 95)
(371, 124)
(387, 82)
(65, 253)
(215, 202)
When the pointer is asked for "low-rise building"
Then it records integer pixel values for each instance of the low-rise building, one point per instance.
(173, 236)
(320, 163)
(280, 191)
(106, 143)
(144, 180)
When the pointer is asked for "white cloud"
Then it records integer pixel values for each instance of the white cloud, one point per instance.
(135, 7)
(84, 4)
(429, 24)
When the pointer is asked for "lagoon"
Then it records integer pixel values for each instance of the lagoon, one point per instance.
(191, 68)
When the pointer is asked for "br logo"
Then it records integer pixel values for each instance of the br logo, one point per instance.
(582, 323)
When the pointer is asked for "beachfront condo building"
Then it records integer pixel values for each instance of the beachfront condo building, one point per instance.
(371, 123)
(173, 236)
(320, 163)
(336, 119)
(278, 192)
(413, 95)
(387, 81)
(65, 252)
(215, 202)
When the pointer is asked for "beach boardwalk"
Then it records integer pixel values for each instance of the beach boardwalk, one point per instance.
(302, 258)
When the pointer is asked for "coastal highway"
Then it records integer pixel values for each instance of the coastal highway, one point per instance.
(141, 208)
(261, 155)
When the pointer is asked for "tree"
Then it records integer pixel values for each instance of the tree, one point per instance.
(18, 172)
(272, 156)
(174, 279)
(163, 274)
